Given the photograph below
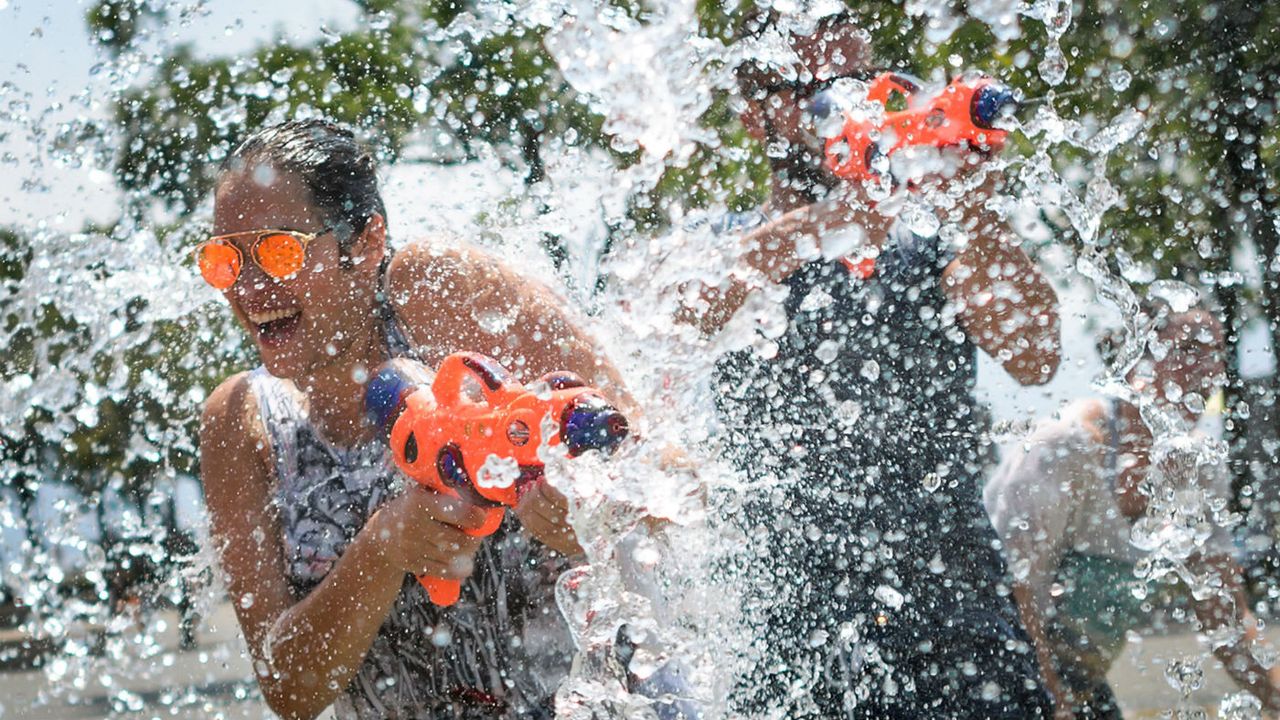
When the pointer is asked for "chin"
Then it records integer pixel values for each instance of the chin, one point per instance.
(282, 365)
(289, 362)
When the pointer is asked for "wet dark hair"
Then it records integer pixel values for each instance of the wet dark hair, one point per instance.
(753, 76)
(338, 170)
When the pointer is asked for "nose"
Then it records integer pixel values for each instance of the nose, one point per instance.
(253, 282)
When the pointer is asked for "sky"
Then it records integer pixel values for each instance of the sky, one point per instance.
(47, 58)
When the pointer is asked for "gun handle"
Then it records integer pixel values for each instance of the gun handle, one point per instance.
(441, 591)
(446, 592)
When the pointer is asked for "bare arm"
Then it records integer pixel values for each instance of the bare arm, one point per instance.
(1218, 611)
(782, 246)
(1004, 303)
(1033, 620)
(306, 650)
(453, 299)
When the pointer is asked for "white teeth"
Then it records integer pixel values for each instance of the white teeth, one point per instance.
(266, 317)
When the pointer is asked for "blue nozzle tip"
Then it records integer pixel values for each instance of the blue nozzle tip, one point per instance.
(990, 102)
(382, 396)
(592, 424)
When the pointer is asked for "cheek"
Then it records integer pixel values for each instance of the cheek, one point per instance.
(332, 295)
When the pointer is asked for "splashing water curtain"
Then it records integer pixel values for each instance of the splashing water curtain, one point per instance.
(598, 149)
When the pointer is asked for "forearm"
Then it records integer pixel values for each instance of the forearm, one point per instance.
(1229, 607)
(1033, 621)
(1005, 304)
(1249, 674)
(776, 250)
(1238, 657)
(316, 646)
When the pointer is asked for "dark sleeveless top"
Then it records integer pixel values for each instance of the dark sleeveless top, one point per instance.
(500, 652)
(864, 428)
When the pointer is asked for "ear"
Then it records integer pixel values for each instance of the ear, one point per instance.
(371, 245)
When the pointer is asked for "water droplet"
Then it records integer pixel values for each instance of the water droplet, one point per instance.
(1120, 79)
(827, 351)
(1240, 706)
(1265, 653)
(442, 636)
(920, 219)
(889, 597)
(1185, 675)
(1053, 68)
(931, 481)
(870, 370)
(246, 600)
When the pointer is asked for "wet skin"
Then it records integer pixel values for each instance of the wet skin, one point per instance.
(318, 328)
(1003, 302)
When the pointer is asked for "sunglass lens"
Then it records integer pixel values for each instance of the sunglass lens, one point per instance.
(280, 254)
(219, 264)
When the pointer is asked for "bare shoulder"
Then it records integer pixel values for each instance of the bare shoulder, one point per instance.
(442, 293)
(227, 407)
(432, 265)
(231, 435)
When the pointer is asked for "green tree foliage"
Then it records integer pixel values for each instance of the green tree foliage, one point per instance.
(1196, 189)
(403, 71)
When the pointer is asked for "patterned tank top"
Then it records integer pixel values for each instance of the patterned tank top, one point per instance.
(500, 652)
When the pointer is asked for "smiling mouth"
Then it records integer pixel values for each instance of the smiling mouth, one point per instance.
(275, 326)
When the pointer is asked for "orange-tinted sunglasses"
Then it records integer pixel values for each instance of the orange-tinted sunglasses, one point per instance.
(280, 253)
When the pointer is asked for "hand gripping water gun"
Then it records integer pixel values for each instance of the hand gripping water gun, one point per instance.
(443, 438)
(963, 113)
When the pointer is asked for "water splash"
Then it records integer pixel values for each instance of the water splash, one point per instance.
(651, 75)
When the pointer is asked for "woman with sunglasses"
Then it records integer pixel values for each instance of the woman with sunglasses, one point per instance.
(318, 543)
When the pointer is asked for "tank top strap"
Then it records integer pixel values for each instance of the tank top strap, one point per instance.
(282, 417)
(398, 344)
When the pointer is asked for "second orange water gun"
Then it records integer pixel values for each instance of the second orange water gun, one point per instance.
(483, 448)
(963, 113)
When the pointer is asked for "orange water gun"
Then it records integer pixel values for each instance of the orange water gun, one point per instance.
(484, 448)
(963, 113)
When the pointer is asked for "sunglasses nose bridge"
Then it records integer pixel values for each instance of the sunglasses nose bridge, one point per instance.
(253, 280)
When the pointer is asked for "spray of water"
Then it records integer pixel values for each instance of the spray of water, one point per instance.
(96, 327)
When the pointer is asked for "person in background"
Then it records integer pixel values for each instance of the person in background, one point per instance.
(1066, 501)
(882, 597)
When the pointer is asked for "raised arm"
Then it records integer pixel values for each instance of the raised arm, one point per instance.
(495, 311)
(306, 650)
(520, 322)
(1231, 608)
(782, 246)
(1004, 303)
